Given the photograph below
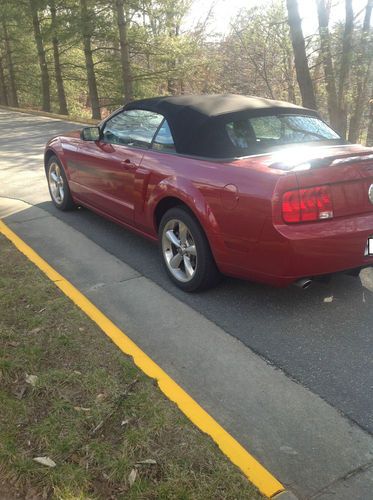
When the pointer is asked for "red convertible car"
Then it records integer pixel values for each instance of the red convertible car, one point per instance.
(248, 187)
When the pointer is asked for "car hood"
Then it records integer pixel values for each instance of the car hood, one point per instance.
(65, 137)
(73, 133)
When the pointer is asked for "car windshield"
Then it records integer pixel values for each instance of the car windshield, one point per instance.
(263, 133)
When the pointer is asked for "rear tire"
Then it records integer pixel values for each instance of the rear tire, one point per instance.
(185, 251)
(58, 185)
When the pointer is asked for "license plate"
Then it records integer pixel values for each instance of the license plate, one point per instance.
(370, 246)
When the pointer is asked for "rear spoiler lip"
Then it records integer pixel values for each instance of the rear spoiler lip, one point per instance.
(328, 161)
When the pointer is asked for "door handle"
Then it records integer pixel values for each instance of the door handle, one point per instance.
(127, 163)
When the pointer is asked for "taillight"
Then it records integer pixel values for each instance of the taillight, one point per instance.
(304, 205)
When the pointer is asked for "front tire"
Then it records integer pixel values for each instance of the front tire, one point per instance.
(185, 251)
(58, 185)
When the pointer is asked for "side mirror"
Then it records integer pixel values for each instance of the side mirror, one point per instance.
(90, 134)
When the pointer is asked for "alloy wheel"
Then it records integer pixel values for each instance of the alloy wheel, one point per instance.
(179, 250)
(56, 183)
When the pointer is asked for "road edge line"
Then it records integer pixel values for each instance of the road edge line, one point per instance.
(257, 474)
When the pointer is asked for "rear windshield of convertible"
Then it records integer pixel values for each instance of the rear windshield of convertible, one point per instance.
(260, 134)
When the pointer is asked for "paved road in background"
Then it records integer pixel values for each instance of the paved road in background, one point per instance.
(321, 337)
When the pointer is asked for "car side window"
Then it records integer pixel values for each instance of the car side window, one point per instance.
(267, 127)
(135, 128)
(240, 133)
(164, 141)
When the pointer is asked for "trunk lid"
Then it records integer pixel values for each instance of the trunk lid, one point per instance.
(349, 174)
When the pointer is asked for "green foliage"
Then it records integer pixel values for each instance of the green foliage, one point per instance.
(163, 58)
(168, 56)
(257, 54)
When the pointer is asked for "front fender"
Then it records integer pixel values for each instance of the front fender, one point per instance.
(65, 148)
(189, 194)
(54, 147)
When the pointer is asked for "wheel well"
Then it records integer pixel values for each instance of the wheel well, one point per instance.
(48, 154)
(164, 205)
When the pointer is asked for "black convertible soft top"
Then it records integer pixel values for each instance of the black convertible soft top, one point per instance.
(197, 122)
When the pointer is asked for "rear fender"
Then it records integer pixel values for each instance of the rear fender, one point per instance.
(185, 191)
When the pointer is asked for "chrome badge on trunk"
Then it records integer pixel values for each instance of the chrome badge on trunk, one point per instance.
(370, 193)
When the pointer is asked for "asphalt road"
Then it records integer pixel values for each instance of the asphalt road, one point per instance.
(321, 337)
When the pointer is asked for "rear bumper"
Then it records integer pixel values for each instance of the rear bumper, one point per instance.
(287, 253)
(328, 247)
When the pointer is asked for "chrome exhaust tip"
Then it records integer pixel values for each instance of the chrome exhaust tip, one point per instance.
(303, 283)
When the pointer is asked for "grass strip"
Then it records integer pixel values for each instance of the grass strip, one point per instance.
(68, 394)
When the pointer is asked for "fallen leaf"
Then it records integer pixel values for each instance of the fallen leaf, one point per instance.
(124, 422)
(35, 330)
(81, 408)
(13, 344)
(31, 379)
(77, 372)
(42, 310)
(148, 461)
(45, 461)
(132, 477)
(81, 329)
(100, 397)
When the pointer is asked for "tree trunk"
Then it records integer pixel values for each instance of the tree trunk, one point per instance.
(90, 69)
(326, 53)
(172, 87)
(45, 84)
(300, 57)
(57, 66)
(317, 73)
(13, 98)
(124, 51)
(3, 89)
(288, 63)
(172, 63)
(369, 141)
(363, 72)
(345, 67)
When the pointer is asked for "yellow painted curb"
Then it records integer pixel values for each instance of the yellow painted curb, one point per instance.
(253, 470)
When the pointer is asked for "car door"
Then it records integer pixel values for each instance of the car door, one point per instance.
(107, 168)
(155, 166)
